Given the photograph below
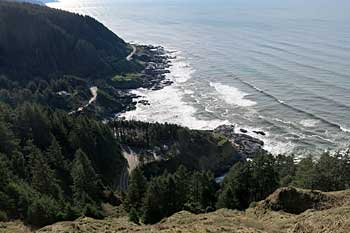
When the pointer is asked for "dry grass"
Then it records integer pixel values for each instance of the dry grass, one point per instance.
(333, 217)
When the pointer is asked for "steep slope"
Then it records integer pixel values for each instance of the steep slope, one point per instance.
(40, 41)
(29, 1)
(333, 218)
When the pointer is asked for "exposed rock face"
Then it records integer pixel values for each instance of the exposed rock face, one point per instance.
(296, 201)
(157, 64)
(247, 146)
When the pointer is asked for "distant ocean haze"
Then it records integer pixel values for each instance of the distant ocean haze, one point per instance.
(282, 67)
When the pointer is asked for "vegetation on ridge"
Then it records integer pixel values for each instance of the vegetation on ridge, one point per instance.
(40, 42)
(247, 183)
(56, 166)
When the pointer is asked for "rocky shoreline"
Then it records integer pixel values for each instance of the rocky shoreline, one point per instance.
(156, 62)
(115, 96)
(247, 146)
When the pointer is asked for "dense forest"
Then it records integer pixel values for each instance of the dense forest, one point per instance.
(53, 166)
(247, 182)
(57, 166)
(40, 42)
(53, 57)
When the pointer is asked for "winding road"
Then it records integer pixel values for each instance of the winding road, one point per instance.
(129, 58)
(93, 91)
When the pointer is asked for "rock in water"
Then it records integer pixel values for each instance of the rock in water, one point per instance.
(260, 133)
(247, 146)
(243, 131)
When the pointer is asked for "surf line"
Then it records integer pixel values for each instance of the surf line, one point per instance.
(335, 125)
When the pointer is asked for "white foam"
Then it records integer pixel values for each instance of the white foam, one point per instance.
(344, 129)
(166, 105)
(309, 123)
(181, 71)
(322, 138)
(278, 148)
(232, 95)
(272, 144)
(189, 92)
(284, 121)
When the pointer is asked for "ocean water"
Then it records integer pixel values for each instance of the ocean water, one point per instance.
(282, 67)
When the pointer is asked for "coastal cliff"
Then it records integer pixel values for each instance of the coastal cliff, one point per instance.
(67, 157)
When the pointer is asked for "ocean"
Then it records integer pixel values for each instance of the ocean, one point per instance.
(282, 67)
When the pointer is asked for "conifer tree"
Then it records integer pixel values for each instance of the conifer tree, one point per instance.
(236, 188)
(54, 155)
(85, 180)
(202, 192)
(265, 179)
(228, 199)
(136, 190)
(134, 216)
(4, 171)
(304, 177)
(43, 178)
(153, 205)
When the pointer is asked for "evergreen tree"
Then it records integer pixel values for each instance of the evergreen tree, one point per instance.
(305, 173)
(8, 142)
(265, 179)
(43, 177)
(228, 199)
(286, 168)
(169, 195)
(39, 173)
(85, 180)
(4, 171)
(136, 190)
(202, 192)
(237, 187)
(54, 155)
(332, 171)
(134, 216)
(182, 186)
(153, 204)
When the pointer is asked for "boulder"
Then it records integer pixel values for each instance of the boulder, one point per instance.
(260, 133)
(243, 131)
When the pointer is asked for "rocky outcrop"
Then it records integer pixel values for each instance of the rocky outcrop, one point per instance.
(157, 63)
(296, 201)
(246, 145)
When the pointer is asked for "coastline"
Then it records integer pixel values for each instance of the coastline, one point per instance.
(160, 98)
(288, 130)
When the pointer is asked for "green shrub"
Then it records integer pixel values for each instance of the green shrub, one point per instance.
(134, 216)
(43, 211)
(3, 216)
(253, 204)
(93, 212)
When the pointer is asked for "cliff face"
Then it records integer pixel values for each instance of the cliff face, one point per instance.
(331, 215)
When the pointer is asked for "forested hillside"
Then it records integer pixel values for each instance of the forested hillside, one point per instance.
(59, 164)
(39, 2)
(53, 57)
(40, 42)
(58, 167)
(54, 167)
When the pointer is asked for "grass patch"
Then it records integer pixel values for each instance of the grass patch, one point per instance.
(126, 77)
